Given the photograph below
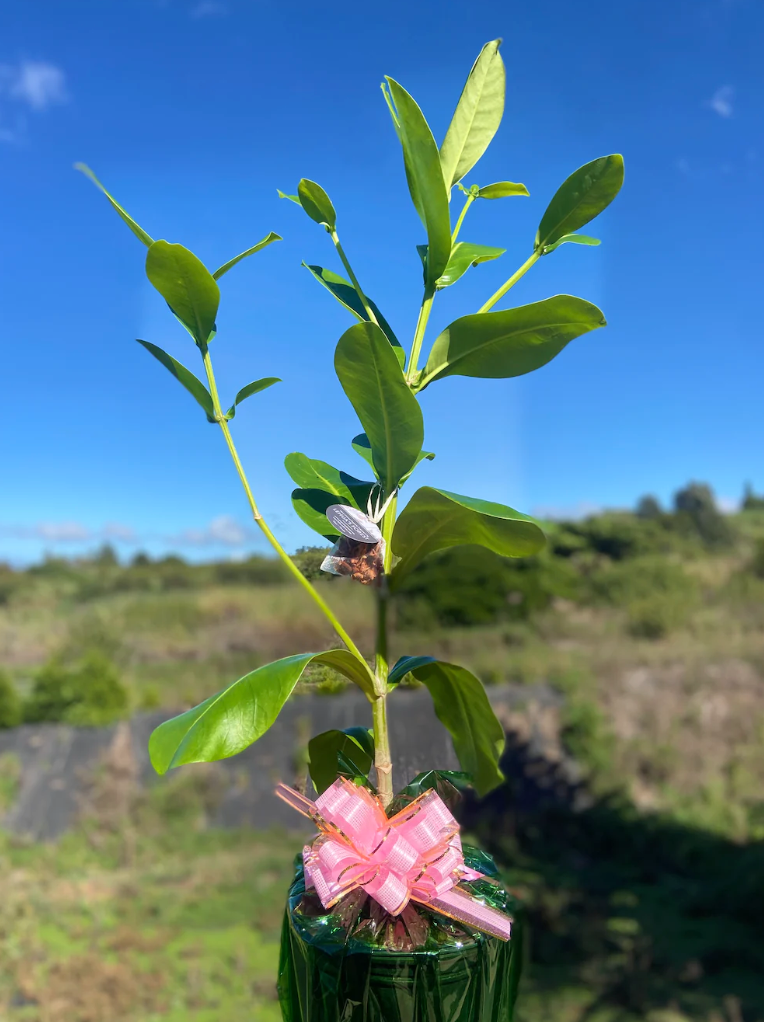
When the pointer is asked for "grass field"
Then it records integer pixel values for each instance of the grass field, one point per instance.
(646, 906)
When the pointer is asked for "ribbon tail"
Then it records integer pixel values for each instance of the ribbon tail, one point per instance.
(463, 908)
(297, 801)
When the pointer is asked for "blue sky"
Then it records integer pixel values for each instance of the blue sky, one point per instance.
(194, 113)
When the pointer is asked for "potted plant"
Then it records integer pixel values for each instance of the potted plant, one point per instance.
(390, 917)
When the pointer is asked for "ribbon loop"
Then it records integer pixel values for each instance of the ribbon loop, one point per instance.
(415, 856)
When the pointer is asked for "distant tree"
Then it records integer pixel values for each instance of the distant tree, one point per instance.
(697, 506)
(140, 560)
(106, 557)
(751, 500)
(649, 507)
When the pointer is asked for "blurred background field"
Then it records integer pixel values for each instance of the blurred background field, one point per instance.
(644, 897)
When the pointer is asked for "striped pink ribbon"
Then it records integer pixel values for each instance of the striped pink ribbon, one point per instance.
(415, 855)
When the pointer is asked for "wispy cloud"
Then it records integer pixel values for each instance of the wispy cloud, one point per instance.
(221, 531)
(29, 85)
(208, 9)
(721, 101)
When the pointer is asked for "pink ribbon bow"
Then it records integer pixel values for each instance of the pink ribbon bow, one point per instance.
(415, 855)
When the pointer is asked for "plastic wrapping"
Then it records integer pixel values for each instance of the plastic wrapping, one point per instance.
(355, 963)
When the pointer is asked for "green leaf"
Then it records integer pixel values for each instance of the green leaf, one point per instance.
(502, 190)
(316, 203)
(462, 707)
(497, 345)
(137, 230)
(405, 665)
(251, 388)
(310, 506)
(576, 239)
(267, 240)
(292, 198)
(463, 255)
(186, 285)
(436, 519)
(390, 414)
(425, 179)
(320, 486)
(333, 754)
(233, 719)
(362, 446)
(193, 385)
(580, 198)
(477, 117)
(347, 296)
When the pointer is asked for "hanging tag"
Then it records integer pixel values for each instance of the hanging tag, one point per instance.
(353, 524)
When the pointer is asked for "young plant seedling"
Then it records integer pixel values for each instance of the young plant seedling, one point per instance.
(373, 544)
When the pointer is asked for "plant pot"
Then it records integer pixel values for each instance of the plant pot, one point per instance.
(357, 964)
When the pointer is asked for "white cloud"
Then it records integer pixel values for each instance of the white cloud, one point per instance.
(224, 530)
(721, 101)
(119, 532)
(208, 9)
(728, 505)
(35, 83)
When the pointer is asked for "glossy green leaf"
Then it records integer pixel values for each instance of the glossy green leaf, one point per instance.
(463, 255)
(462, 707)
(310, 506)
(316, 203)
(580, 198)
(390, 414)
(186, 285)
(425, 179)
(320, 486)
(137, 230)
(436, 519)
(193, 385)
(347, 296)
(251, 388)
(497, 345)
(267, 240)
(502, 190)
(362, 446)
(405, 665)
(575, 239)
(233, 719)
(333, 754)
(292, 198)
(477, 117)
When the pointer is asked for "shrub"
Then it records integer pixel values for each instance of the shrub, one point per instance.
(655, 616)
(10, 704)
(255, 571)
(90, 693)
(309, 558)
(696, 511)
(624, 584)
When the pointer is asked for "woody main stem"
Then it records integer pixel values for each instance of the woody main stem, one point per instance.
(284, 556)
(382, 758)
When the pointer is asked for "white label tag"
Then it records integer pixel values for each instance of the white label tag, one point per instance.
(354, 524)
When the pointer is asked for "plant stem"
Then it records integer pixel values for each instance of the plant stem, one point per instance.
(382, 758)
(421, 326)
(354, 280)
(288, 562)
(460, 221)
(511, 282)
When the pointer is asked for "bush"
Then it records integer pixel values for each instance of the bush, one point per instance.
(88, 694)
(655, 616)
(309, 558)
(10, 704)
(644, 578)
(696, 511)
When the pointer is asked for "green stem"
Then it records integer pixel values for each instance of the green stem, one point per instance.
(421, 326)
(353, 279)
(511, 282)
(287, 560)
(382, 758)
(460, 221)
